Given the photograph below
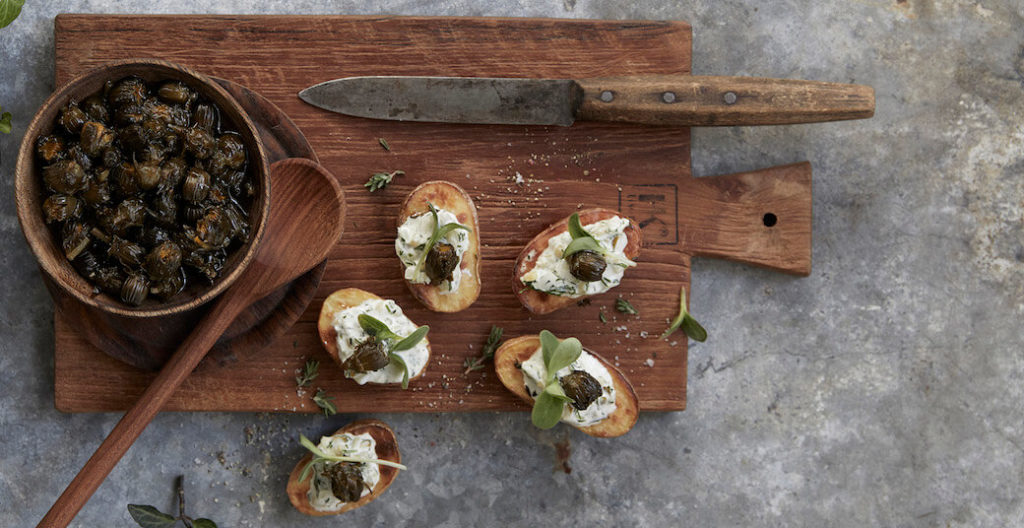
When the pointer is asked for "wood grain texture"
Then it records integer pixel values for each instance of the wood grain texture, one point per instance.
(642, 171)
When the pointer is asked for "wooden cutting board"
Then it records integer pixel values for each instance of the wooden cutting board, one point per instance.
(522, 178)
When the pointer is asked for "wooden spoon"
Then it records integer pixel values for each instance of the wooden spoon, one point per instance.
(307, 209)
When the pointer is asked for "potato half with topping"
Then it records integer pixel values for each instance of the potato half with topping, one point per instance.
(544, 281)
(353, 350)
(514, 353)
(385, 448)
(446, 276)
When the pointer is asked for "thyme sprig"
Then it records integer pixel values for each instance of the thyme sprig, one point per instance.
(325, 402)
(380, 180)
(684, 320)
(375, 327)
(557, 354)
(487, 352)
(309, 373)
(625, 307)
(320, 456)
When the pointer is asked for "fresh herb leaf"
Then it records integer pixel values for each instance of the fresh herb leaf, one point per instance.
(600, 315)
(9, 10)
(487, 352)
(375, 327)
(383, 143)
(549, 404)
(309, 373)
(623, 306)
(380, 180)
(684, 320)
(582, 244)
(576, 228)
(568, 350)
(396, 359)
(150, 517)
(5, 119)
(320, 456)
(547, 410)
(435, 235)
(203, 523)
(323, 401)
(411, 340)
(548, 344)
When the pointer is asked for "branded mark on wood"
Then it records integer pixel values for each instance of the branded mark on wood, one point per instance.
(654, 207)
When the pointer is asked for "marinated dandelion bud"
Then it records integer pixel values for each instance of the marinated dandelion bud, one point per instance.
(147, 174)
(164, 261)
(239, 226)
(154, 236)
(172, 172)
(175, 92)
(75, 152)
(587, 266)
(94, 107)
(169, 287)
(209, 265)
(196, 186)
(370, 355)
(583, 388)
(125, 179)
(65, 176)
(134, 138)
(61, 207)
(50, 148)
(164, 209)
(96, 193)
(441, 262)
(72, 118)
(135, 289)
(128, 253)
(199, 142)
(111, 158)
(129, 115)
(130, 91)
(205, 117)
(231, 148)
(129, 213)
(213, 230)
(74, 239)
(346, 480)
(95, 138)
(109, 279)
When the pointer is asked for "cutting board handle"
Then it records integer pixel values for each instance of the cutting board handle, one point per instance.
(688, 100)
(760, 217)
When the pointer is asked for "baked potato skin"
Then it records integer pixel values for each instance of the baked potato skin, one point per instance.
(518, 350)
(542, 303)
(341, 300)
(446, 195)
(387, 449)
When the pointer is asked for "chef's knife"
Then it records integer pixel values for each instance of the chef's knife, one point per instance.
(682, 100)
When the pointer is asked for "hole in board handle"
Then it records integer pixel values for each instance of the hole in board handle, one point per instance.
(770, 219)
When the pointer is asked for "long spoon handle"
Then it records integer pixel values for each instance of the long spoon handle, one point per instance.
(131, 425)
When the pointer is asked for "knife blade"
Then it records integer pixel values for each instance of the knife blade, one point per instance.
(679, 100)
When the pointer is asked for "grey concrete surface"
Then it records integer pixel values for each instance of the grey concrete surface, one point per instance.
(883, 390)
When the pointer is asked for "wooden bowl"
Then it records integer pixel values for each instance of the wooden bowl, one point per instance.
(29, 189)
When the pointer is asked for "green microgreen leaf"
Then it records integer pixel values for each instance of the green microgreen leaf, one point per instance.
(583, 244)
(576, 228)
(380, 180)
(567, 351)
(684, 320)
(547, 410)
(203, 523)
(487, 352)
(556, 390)
(384, 144)
(396, 359)
(309, 373)
(323, 401)
(436, 234)
(412, 339)
(9, 10)
(320, 456)
(548, 344)
(625, 307)
(375, 327)
(150, 517)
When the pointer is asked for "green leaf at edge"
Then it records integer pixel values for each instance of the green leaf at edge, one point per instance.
(582, 244)
(203, 523)
(568, 350)
(576, 228)
(150, 517)
(405, 368)
(375, 327)
(547, 410)
(411, 340)
(9, 10)
(5, 121)
(693, 329)
(548, 344)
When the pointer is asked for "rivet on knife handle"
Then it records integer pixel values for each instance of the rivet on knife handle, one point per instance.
(686, 100)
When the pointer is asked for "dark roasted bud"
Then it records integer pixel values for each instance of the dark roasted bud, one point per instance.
(148, 174)
(175, 92)
(169, 287)
(213, 230)
(205, 117)
(94, 108)
(109, 279)
(124, 177)
(583, 388)
(134, 138)
(199, 142)
(72, 118)
(172, 172)
(239, 225)
(128, 253)
(127, 92)
(129, 213)
(164, 261)
(230, 146)
(75, 152)
(346, 480)
(441, 262)
(50, 148)
(65, 176)
(234, 182)
(164, 209)
(196, 186)
(129, 115)
(158, 111)
(111, 158)
(193, 212)
(370, 355)
(96, 193)
(172, 144)
(154, 129)
(154, 236)
(180, 116)
(96, 138)
(87, 264)
(74, 239)
(61, 207)
(207, 264)
(587, 266)
(135, 289)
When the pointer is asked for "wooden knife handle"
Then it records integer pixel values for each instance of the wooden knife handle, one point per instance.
(687, 100)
